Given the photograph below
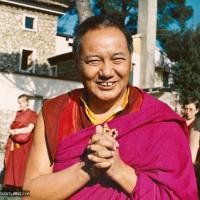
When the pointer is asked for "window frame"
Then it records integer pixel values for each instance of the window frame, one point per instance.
(33, 58)
(34, 29)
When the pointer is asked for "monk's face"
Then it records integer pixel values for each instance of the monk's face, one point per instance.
(105, 63)
(23, 103)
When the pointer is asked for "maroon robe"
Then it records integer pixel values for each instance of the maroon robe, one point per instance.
(69, 107)
(151, 140)
(17, 151)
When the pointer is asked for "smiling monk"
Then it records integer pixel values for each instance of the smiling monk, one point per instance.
(109, 140)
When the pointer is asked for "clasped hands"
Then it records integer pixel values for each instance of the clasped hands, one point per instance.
(103, 154)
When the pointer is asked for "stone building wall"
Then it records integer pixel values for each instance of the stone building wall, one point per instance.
(6, 117)
(13, 37)
(68, 70)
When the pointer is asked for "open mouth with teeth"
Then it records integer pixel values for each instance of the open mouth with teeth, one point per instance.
(106, 83)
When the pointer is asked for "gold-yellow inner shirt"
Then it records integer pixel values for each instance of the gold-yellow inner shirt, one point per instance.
(96, 121)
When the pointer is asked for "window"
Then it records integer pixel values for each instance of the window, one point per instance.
(53, 70)
(27, 61)
(30, 23)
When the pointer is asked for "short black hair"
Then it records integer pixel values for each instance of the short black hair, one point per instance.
(190, 100)
(96, 22)
(24, 96)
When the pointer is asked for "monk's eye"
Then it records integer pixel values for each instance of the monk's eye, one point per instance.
(118, 60)
(93, 62)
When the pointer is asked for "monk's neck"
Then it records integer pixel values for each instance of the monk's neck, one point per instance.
(105, 108)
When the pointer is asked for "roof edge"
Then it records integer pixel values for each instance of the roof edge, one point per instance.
(42, 5)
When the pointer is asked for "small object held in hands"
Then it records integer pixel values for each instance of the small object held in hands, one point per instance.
(112, 132)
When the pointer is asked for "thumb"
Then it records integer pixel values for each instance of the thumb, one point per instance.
(99, 129)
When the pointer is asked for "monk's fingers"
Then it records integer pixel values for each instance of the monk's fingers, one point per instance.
(110, 144)
(96, 136)
(95, 158)
(95, 147)
(104, 154)
(106, 164)
(103, 139)
(99, 132)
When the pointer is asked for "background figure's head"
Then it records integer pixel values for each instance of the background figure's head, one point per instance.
(190, 108)
(23, 102)
(103, 51)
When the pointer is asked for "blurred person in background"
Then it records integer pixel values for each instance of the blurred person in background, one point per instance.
(190, 113)
(190, 109)
(195, 150)
(18, 145)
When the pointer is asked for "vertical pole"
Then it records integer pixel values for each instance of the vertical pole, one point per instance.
(147, 20)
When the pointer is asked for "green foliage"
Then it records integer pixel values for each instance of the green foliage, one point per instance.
(169, 12)
(183, 48)
(126, 11)
(173, 12)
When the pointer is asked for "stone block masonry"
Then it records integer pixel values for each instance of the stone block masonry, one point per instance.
(14, 37)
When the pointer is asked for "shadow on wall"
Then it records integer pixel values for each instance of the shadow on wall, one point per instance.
(22, 62)
(39, 84)
(9, 62)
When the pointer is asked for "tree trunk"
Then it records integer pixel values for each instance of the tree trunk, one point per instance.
(84, 9)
